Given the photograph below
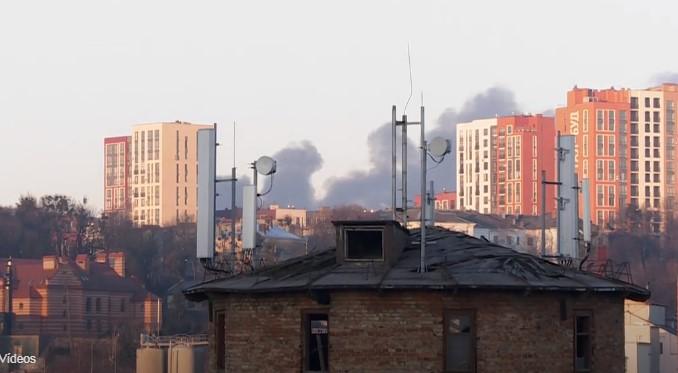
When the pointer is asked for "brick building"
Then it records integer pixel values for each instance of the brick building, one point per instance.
(365, 307)
(88, 296)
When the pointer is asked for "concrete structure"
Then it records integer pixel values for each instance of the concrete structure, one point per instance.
(117, 175)
(164, 173)
(90, 296)
(364, 308)
(525, 147)
(650, 347)
(475, 176)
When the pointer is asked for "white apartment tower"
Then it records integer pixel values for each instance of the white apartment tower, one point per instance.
(652, 152)
(475, 174)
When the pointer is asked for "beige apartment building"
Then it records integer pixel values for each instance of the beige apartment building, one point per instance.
(652, 153)
(475, 176)
(164, 168)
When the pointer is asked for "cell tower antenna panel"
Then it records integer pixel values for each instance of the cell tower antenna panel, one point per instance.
(206, 195)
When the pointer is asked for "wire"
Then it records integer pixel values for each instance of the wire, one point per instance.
(409, 62)
(270, 187)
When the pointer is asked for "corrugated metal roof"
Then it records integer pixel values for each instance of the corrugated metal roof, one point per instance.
(454, 260)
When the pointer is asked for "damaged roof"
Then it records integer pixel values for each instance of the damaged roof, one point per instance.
(454, 261)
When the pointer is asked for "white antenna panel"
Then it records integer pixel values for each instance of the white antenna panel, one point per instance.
(206, 192)
(249, 217)
(568, 228)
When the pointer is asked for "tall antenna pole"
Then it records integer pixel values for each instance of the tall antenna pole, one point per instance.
(404, 170)
(423, 202)
(233, 186)
(393, 162)
(543, 212)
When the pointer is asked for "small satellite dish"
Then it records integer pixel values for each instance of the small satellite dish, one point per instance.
(265, 165)
(439, 146)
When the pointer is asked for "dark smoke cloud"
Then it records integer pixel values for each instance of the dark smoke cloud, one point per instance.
(665, 77)
(372, 188)
(292, 182)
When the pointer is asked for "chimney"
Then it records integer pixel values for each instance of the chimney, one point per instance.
(117, 262)
(49, 263)
(82, 260)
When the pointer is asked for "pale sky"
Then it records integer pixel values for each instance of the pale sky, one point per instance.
(73, 72)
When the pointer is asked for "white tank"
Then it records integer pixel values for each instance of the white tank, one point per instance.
(151, 360)
(180, 359)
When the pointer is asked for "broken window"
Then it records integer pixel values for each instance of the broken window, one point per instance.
(316, 342)
(220, 338)
(364, 244)
(460, 347)
(582, 341)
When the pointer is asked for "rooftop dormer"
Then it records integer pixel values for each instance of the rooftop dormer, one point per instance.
(370, 241)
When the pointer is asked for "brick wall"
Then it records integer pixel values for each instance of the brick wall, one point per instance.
(399, 332)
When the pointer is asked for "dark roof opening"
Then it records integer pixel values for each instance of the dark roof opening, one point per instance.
(364, 243)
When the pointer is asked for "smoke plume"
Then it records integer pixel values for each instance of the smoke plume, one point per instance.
(292, 182)
(665, 77)
(372, 188)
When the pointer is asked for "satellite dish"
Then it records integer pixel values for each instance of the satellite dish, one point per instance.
(439, 146)
(265, 165)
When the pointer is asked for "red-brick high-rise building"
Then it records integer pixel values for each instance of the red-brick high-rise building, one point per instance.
(599, 120)
(525, 146)
(116, 175)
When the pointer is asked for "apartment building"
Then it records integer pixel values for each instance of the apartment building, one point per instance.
(475, 174)
(525, 147)
(116, 175)
(599, 120)
(164, 173)
(499, 164)
(652, 144)
(628, 151)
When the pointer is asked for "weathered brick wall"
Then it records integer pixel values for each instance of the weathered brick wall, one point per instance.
(403, 332)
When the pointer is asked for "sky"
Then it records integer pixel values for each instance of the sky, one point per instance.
(292, 74)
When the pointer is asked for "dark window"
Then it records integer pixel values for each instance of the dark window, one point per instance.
(460, 348)
(582, 341)
(364, 244)
(655, 102)
(122, 305)
(647, 102)
(221, 340)
(316, 341)
(89, 324)
(97, 305)
(88, 304)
